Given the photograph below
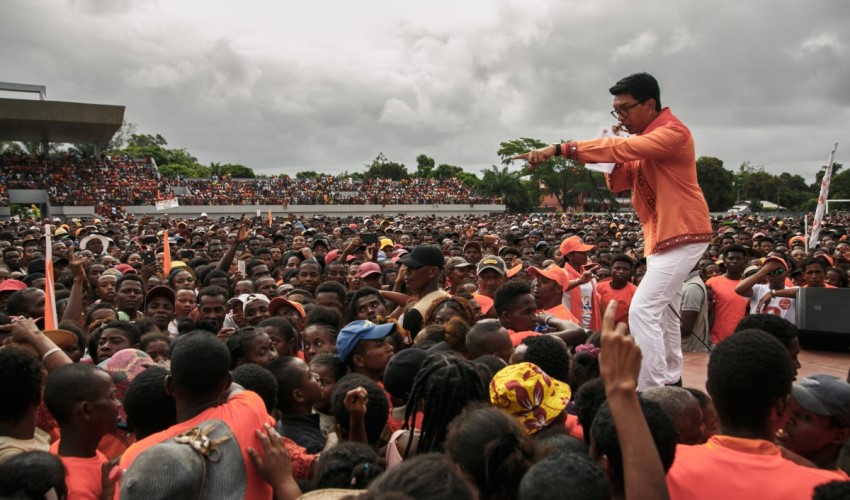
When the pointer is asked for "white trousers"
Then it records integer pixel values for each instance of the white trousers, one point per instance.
(654, 314)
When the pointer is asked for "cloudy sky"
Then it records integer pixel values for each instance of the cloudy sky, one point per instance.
(327, 85)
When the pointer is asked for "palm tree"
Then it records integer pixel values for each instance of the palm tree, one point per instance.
(515, 193)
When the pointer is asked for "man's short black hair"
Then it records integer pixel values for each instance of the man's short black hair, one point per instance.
(282, 325)
(21, 387)
(149, 407)
(286, 377)
(129, 277)
(563, 474)
(815, 261)
(377, 409)
(213, 291)
(33, 474)
(213, 274)
(256, 378)
(735, 248)
(68, 385)
(332, 287)
(200, 364)
(332, 361)
(606, 442)
(325, 316)
(588, 399)
(748, 373)
(621, 257)
(131, 331)
(549, 354)
(506, 295)
(784, 331)
(18, 304)
(641, 86)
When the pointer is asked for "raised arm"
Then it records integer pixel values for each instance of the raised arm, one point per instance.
(619, 364)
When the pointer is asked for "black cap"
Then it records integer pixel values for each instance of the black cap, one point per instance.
(401, 372)
(424, 255)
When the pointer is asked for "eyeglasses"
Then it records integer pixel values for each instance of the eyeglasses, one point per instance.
(777, 272)
(624, 110)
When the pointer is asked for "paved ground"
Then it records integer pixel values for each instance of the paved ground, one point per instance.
(835, 363)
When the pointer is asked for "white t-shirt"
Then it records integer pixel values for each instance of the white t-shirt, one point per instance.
(784, 307)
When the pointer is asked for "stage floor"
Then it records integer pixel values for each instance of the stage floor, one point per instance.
(835, 363)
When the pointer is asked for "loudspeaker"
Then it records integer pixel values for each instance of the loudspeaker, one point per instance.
(823, 318)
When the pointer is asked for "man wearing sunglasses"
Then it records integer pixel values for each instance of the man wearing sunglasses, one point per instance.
(763, 298)
(658, 164)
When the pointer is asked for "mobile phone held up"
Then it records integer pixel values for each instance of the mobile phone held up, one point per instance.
(369, 238)
(148, 257)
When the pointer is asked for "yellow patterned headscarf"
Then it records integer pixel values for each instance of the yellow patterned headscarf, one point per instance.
(525, 392)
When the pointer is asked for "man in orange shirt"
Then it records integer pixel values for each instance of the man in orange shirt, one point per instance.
(200, 381)
(658, 164)
(515, 306)
(548, 290)
(82, 399)
(619, 288)
(729, 307)
(749, 380)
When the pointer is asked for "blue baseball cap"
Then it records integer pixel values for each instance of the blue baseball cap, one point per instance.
(359, 330)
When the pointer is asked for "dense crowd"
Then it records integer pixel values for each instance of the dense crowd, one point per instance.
(108, 184)
(113, 183)
(404, 357)
(328, 190)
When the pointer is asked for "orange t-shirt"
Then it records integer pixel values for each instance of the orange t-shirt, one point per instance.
(729, 307)
(623, 297)
(729, 467)
(517, 337)
(83, 476)
(561, 311)
(484, 301)
(244, 413)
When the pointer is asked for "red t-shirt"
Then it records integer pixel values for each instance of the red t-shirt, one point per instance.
(729, 307)
(83, 476)
(244, 413)
(623, 297)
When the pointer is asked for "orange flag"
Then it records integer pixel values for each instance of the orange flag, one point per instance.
(50, 319)
(270, 217)
(166, 257)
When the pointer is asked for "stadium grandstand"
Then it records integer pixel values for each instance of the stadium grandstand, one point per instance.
(68, 184)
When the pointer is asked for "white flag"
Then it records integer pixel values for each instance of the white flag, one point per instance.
(824, 195)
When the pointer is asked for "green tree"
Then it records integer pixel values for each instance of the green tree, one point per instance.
(424, 166)
(839, 187)
(569, 182)
(445, 171)
(383, 168)
(175, 169)
(307, 174)
(716, 183)
(469, 179)
(146, 140)
(793, 192)
(516, 193)
(233, 170)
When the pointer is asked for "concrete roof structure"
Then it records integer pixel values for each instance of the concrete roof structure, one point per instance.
(58, 121)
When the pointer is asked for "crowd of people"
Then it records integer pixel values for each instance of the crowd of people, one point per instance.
(111, 184)
(328, 190)
(407, 357)
(108, 184)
